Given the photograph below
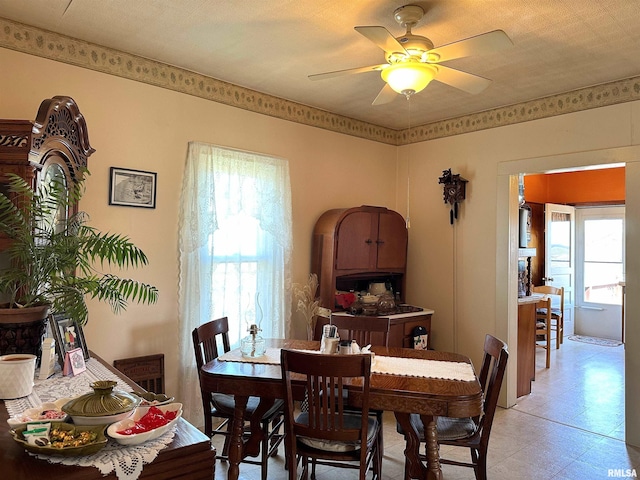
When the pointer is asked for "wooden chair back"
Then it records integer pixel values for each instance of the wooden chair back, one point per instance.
(206, 348)
(557, 313)
(557, 292)
(325, 379)
(543, 328)
(494, 365)
(364, 330)
(206, 340)
(147, 371)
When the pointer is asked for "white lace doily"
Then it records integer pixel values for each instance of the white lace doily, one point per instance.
(409, 367)
(126, 461)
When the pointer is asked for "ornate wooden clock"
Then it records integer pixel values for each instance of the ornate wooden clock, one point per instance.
(454, 191)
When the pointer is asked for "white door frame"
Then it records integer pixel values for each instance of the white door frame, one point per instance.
(507, 262)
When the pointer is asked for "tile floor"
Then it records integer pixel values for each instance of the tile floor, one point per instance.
(570, 428)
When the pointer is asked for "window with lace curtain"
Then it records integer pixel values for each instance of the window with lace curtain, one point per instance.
(235, 247)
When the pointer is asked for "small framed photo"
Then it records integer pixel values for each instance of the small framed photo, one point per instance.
(74, 362)
(68, 336)
(132, 188)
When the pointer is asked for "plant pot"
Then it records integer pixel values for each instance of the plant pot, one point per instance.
(22, 330)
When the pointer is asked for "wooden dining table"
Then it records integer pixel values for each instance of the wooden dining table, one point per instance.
(188, 456)
(398, 393)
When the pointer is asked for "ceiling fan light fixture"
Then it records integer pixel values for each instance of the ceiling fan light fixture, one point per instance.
(409, 78)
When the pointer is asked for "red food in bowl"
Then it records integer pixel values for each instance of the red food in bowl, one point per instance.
(151, 420)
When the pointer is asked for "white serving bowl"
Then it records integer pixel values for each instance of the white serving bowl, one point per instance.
(36, 414)
(138, 438)
(369, 299)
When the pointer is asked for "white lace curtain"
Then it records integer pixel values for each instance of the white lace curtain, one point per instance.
(235, 242)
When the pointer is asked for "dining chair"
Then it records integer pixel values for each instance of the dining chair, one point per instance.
(208, 338)
(557, 313)
(147, 371)
(326, 434)
(543, 329)
(365, 331)
(472, 433)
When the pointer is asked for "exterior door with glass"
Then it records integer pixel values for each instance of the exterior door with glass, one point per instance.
(559, 264)
(600, 262)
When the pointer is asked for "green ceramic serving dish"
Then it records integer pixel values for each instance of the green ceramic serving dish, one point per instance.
(81, 450)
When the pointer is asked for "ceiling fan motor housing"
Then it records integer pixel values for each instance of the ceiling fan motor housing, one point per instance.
(416, 45)
(408, 15)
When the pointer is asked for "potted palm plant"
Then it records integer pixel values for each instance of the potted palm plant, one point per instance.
(52, 262)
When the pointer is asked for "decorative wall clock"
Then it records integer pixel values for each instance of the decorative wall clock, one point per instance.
(454, 191)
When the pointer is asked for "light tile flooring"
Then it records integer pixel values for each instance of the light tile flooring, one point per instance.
(570, 428)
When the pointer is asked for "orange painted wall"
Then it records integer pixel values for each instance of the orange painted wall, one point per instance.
(588, 186)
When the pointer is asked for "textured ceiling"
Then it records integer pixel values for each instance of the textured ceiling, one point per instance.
(272, 46)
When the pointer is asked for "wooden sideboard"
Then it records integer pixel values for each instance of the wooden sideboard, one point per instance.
(401, 327)
(189, 456)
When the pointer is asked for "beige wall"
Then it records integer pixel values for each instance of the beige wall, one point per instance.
(442, 256)
(138, 126)
(464, 272)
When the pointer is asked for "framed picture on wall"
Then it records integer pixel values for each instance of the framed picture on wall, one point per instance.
(132, 188)
(68, 336)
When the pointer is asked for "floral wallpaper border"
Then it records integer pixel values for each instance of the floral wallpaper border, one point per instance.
(43, 43)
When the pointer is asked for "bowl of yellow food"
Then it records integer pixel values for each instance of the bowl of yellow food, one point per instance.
(65, 439)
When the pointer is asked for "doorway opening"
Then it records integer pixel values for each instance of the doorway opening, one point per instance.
(605, 260)
(566, 206)
(507, 261)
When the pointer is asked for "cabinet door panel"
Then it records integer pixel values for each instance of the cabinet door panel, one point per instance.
(354, 242)
(392, 241)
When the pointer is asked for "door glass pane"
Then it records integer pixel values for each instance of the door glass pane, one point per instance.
(603, 240)
(603, 265)
(560, 236)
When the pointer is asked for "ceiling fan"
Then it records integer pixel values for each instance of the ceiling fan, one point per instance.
(412, 60)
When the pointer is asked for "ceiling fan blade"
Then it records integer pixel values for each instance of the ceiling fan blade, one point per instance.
(348, 71)
(386, 95)
(462, 80)
(485, 43)
(382, 38)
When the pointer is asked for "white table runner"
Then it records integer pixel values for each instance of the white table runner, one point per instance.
(409, 367)
(126, 461)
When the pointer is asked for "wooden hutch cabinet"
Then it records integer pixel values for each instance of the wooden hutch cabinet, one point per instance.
(355, 246)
